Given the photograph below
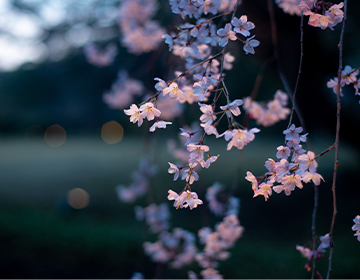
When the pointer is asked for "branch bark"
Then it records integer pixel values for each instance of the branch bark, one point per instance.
(336, 144)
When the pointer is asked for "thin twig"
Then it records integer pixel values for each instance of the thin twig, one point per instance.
(280, 69)
(337, 136)
(300, 66)
(324, 152)
(222, 64)
(313, 226)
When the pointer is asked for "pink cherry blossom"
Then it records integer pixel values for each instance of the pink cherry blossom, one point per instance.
(149, 111)
(159, 124)
(242, 26)
(250, 44)
(226, 34)
(135, 114)
(233, 107)
(307, 162)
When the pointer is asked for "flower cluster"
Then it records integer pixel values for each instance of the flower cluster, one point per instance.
(321, 14)
(140, 33)
(100, 57)
(192, 42)
(176, 248)
(217, 242)
(146, 111)
(288, 175)
(356, 227)
(140, 183)
(156, 216)
(195, 8)
(324, 15)
(269, 113)
(185, 199)
(123, 91)
(348, 77)
(201, 46)
(318, 253)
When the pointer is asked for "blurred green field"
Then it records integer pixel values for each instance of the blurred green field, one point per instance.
(43, 237)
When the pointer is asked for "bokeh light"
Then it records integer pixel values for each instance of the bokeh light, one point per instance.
(55, 135)
(78, 198)
(112, 132)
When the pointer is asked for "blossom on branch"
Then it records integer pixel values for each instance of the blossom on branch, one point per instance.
(240, 137)
(264, 189)
(174, 169)
(185, 199)
(233, 107)
(242, 26)
(174, 91)
(226, 34)
(135, 114)
(307, 162)
(149, 111)
(250, 44)
(159, 124)
(190, 176)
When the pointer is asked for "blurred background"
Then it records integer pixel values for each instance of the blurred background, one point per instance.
(64, 151)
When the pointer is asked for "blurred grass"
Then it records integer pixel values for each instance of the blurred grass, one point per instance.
(43, 237)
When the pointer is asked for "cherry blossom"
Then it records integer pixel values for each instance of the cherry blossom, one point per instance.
(168, 40)
(135, 114)
(307, 162)
(190, 176)
(283, 152)
(315, 177)
(291, 181)
(160, 85)
(210, 129)
(159, 124)
(209, 6)
(226, 34)
(201, 88)
(242, 26)
(269, 113)
(264, 189)
(210, 160)
(250, 44)
(174, 169)
(197, 151)
(251, 178)
(149, 111)
(240, 137)
(173, 91)
(292, 133)
(233, 107)
(185, 199)
(317, 253)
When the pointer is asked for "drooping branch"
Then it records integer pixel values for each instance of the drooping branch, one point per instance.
(313, 226)
(337, 136)
(277, 58)
(300, 66)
